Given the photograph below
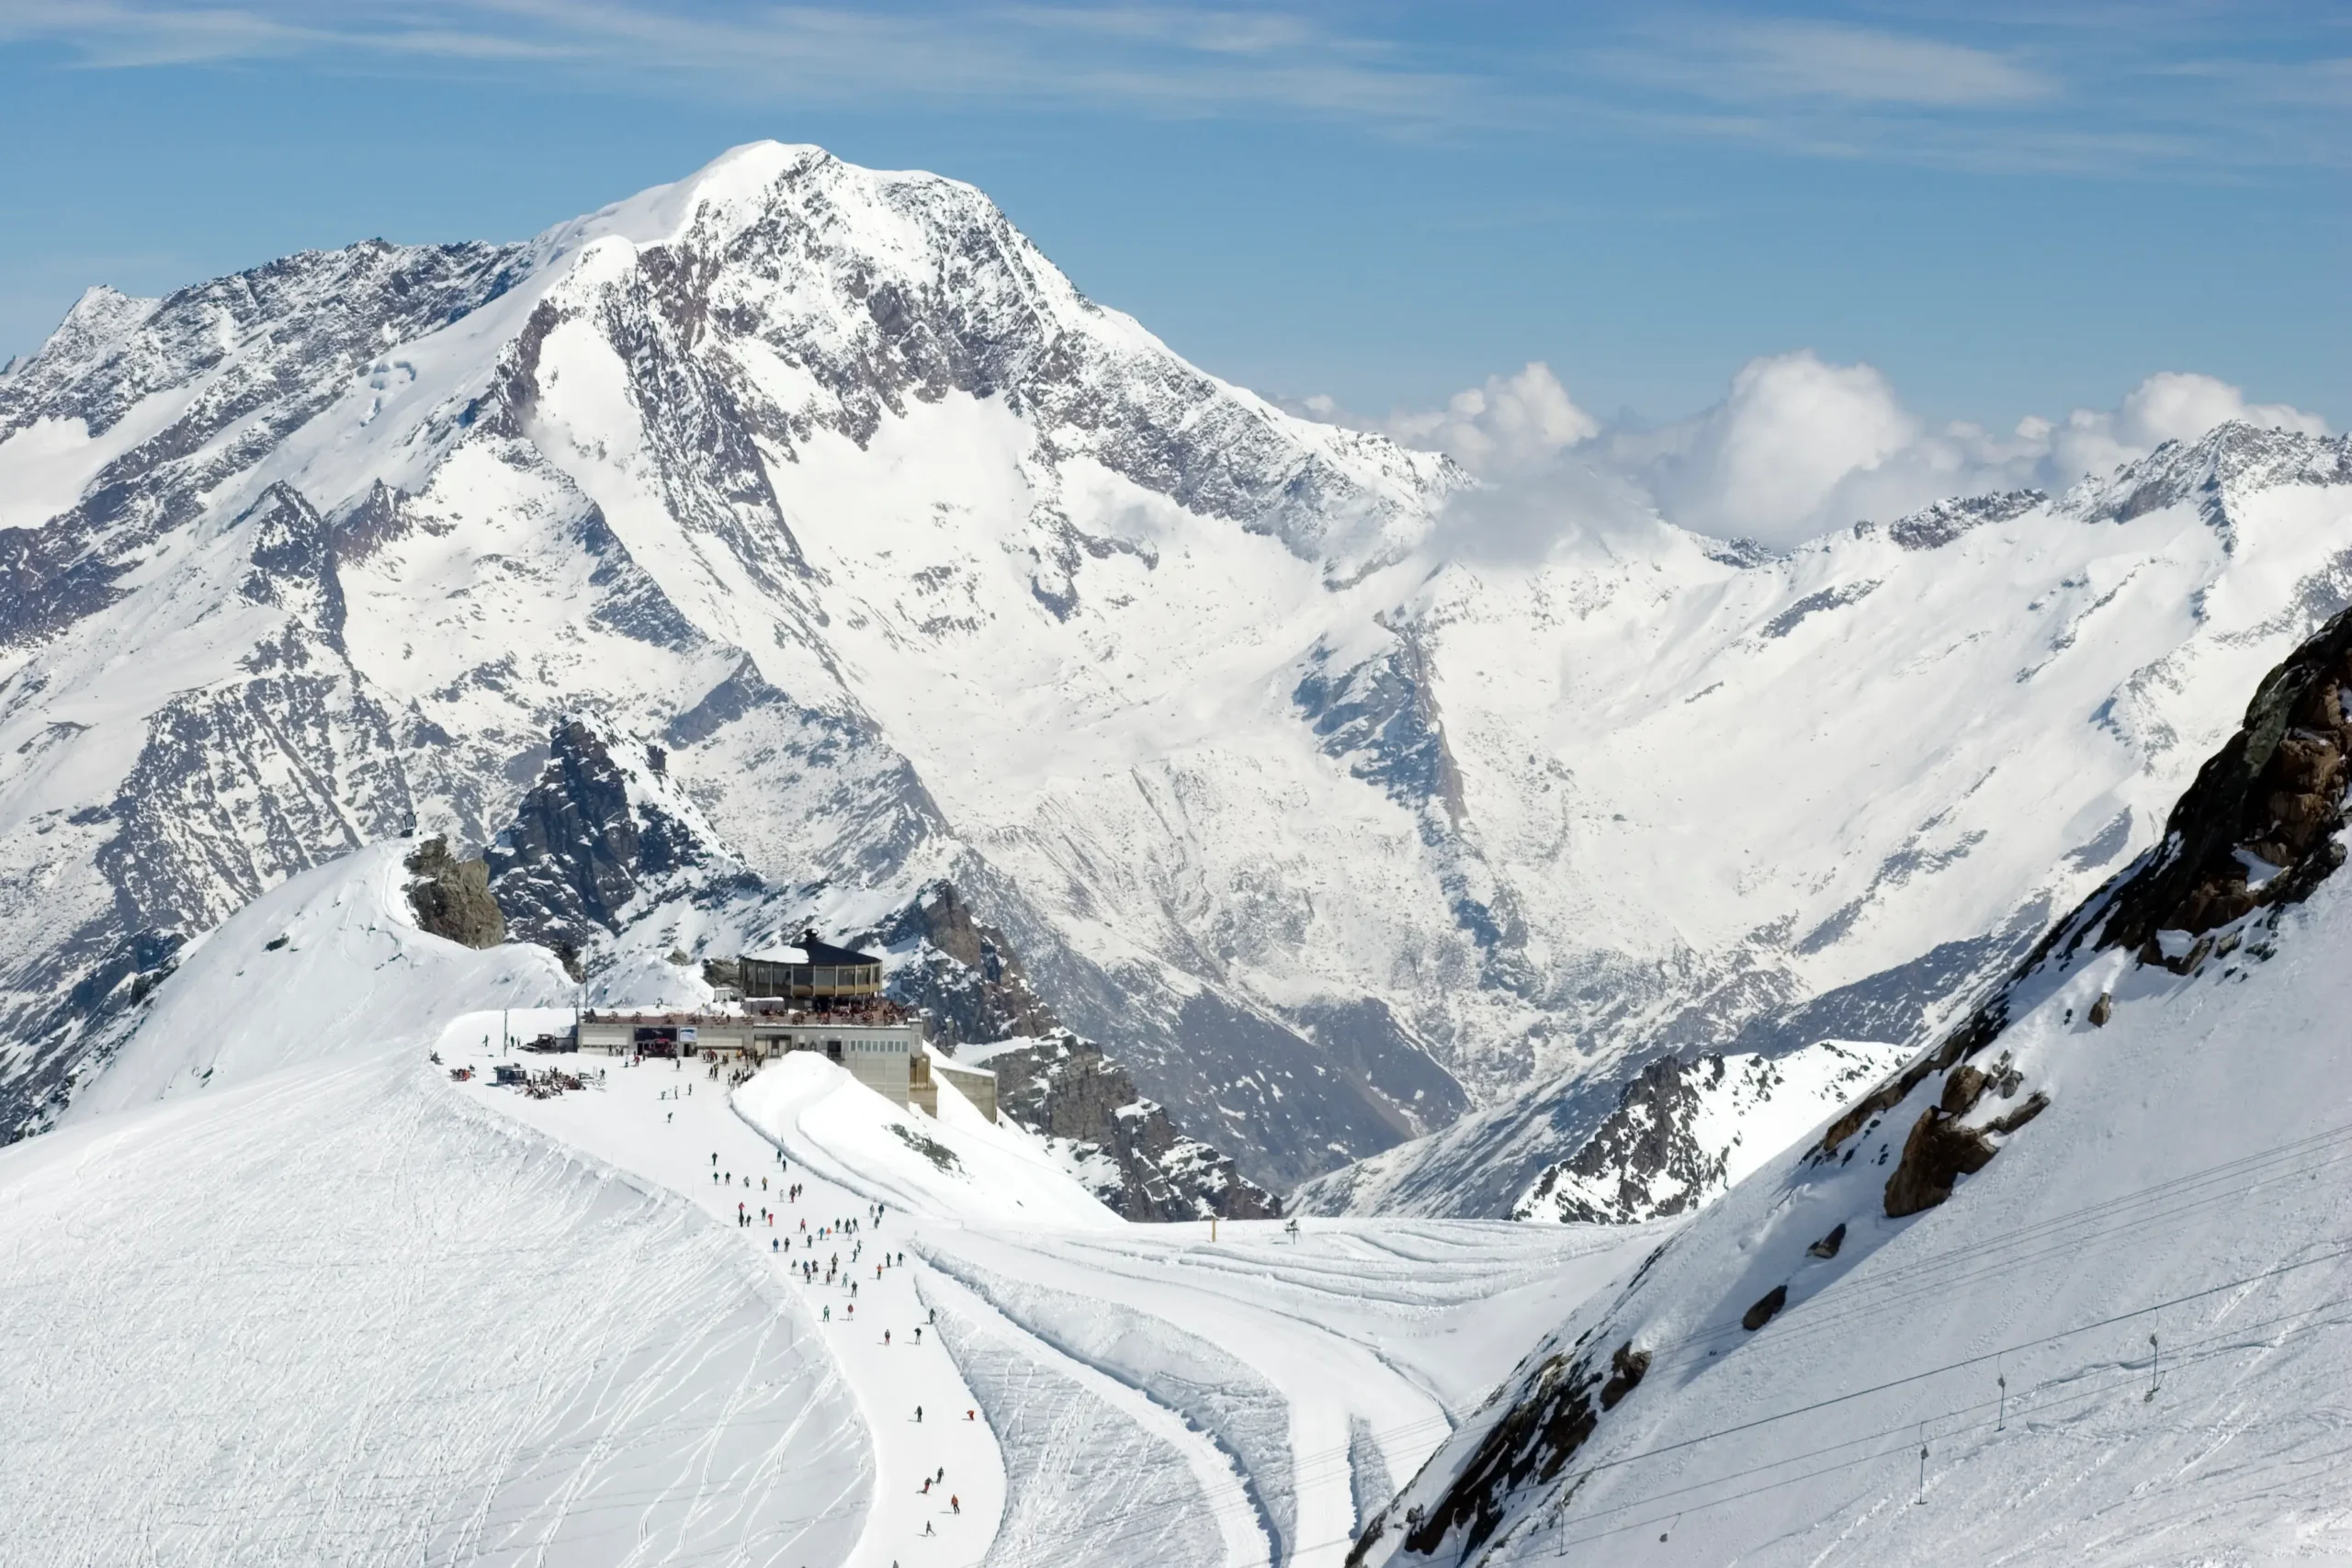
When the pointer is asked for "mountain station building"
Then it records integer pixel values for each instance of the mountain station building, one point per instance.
(807, 995)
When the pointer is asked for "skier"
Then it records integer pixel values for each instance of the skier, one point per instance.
(918, 1415)
(886, 1338)
(955, 1503)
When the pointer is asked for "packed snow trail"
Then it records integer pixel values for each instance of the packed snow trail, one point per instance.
(671, 1124)
(1304, 1371)
(1139, 1394)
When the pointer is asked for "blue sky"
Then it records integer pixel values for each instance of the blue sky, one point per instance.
(2004, 210)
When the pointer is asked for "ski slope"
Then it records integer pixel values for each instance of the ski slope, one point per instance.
(1138, 1394)
(2123, 1341)
(285, 1291)
(334, 1315)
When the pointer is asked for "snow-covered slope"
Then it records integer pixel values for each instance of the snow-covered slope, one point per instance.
(915, 565)
(332, 1303)
(322, 1311)
(328, 960)
(2068, 1288)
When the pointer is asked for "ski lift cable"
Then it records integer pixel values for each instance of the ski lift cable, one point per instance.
(1904, 1282)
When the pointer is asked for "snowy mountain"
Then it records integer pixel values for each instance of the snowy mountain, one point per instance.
(2066, 1288)
(878, 558)
(292, 1289)
(1684, 1132)
(1667, 1140)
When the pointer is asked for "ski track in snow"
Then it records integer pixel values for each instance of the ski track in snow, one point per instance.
(285, 1293)
(1148, 1395)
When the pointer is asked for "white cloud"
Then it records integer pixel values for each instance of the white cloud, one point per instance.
(1765, 461)
(2171, 405)
(1511, 422)
(1819, 58)
(1796, 448)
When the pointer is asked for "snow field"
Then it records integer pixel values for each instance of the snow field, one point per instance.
(643, 1120)
(2122, 1342)
(334, 1316)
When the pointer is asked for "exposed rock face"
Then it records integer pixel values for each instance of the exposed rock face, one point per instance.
(1643, 1151)
(1533, 1442)
(452, 897)
(1125, 1146)
(583, 847)
(1932, 527)
(2257, 828)
(1938, 1152)
(962, 976)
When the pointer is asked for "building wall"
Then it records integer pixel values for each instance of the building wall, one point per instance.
(972, 1083)
(877, 1058)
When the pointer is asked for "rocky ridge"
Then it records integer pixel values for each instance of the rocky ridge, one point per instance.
(1684, 1132)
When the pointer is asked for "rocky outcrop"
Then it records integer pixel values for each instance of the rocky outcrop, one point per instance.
(1532, 1442)
(1938, 1152)
(960, 975)
(1766, 1309)
(1932, 527)
(452, 897)
(582, 846)
(1126, 1148)
(2257, 828)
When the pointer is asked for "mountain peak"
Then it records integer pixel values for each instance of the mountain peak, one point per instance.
(2236, 455)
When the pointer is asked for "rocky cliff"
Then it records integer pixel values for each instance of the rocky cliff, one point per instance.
(452, 897)
(1123, 1146)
